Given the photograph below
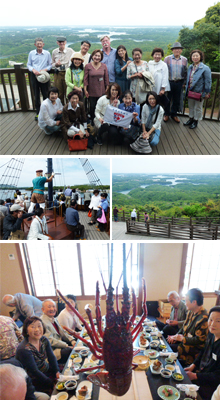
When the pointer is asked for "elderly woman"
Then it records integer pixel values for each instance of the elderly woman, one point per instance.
(205, 370)
(135, 73)
(121, 64)
(67, 317)
(151, 118)
(95, 80)
(36, 355)
(198, 87)
(128, 105)
(74, 119)
(159, 70)
(50, 112)
(75, 75)
(110, 98)
(38, 229)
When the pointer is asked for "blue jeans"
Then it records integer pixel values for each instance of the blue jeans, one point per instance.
(174, 95)
(51, 129)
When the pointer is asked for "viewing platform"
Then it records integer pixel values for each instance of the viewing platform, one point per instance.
(20, 134)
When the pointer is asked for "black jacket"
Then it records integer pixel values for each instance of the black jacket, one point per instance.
(12, 224)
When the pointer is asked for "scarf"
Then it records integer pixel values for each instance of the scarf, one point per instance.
(76, 73)
(130, 108)
(153, 111)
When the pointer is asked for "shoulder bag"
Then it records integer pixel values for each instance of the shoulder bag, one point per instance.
(76, 143)
(194, 95)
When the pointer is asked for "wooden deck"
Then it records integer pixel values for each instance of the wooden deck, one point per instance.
(119, 233)
(60, 231)
(20, 134)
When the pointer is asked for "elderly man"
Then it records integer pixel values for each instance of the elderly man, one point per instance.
(26, 305)
(109, 57)
(39, 60)
(38, 189)
(85, 46)
(15, 383)
(177, 315)
(13, 221)
(10, 337)
(60, 62)
(177, 67)
(190, 339)
(61, 343)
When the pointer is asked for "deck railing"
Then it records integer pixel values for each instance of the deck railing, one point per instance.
(17, 93)
(157, 219)
(167, 230)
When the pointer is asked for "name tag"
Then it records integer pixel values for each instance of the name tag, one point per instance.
(100, 79)
(189, 335)
(214, 356)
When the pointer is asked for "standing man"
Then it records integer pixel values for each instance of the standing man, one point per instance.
(38, 189)
(85, 46)
(39, 60)
(109, 57)
(60, 62)
(72, 220)
(177, 67)
(68, 195)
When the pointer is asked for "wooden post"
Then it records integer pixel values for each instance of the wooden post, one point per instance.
(123, 217)
(169, 229)
(216, 232)
(155, 218)
(127, 225)
(138, 215)
(22, 86)
(190, 221)
(148, 228)
(191, 232)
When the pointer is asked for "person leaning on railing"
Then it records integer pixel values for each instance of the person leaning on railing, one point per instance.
(198, 87)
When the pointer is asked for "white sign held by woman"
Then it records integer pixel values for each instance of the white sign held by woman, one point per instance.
(117, 117)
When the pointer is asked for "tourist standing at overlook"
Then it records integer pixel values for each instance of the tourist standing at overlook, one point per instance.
(177, 67)
(109, 56)
(74, 75)
(198, 87)
(121, 64)
(39, 63)
(60, 62)
(159, 70)
(85, 46)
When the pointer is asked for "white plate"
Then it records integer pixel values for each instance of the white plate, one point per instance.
(155, 372)
(156, 354)
(143, 346)
(87, 365)
(89, 386)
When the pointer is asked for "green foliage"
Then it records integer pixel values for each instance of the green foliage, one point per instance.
(211, 17)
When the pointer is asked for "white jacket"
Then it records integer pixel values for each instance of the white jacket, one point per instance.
(100, 109)
(35, 231)
(69, 319)
(95, 202)
(145, 113)
(159, 70)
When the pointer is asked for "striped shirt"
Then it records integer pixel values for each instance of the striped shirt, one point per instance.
(177, 67)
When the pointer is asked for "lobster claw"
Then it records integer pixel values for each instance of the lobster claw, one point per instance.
(100, 379)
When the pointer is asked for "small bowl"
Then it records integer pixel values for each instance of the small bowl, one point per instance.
(169, 360)
(170, 367)
(70, 385)
(61, 385)
(154, 344)
(84, 353)
(175, 376)
(59, 395)
(165, 373)
(76, 358)
(154, 337)
(162, 346)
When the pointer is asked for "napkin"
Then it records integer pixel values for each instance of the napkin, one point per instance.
(80, 347)
(184, 387)
(63, 378)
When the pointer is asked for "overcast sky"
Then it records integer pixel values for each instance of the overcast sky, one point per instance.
(175, 164)
(114, 13)
(72, 172)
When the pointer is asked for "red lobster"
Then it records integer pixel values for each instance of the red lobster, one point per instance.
(115, 347)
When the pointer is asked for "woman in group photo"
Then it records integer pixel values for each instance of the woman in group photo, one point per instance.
(75, 75)
(50, 112)
(121, 64)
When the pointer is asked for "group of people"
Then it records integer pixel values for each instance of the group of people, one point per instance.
(13, 216)
(89, 83)
(195, 335)
(43, 347)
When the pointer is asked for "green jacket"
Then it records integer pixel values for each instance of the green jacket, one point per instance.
(71, 82)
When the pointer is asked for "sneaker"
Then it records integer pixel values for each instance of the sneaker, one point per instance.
(36, 117)
(99, 142)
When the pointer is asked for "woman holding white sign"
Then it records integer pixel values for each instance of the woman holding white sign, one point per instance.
(109, 99)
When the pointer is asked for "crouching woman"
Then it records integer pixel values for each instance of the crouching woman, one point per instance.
(74, 119)
(50, 112)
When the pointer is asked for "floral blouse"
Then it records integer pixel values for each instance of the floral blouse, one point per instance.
(133, 69)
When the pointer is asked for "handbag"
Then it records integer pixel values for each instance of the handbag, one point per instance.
(99, 213)
(194, 95)
(89, 213)
(131, 133)
(102, 220)
(154, 138)
(17, 235)
(76, 143)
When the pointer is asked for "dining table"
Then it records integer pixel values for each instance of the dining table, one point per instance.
(144, 384)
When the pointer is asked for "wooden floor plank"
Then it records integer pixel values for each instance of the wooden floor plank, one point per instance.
(20, 134)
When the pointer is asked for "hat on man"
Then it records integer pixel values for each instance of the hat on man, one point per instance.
(61, 39)
(39, 170)
(78, 56)
(16, 207)
(177, 45)
(44, 77)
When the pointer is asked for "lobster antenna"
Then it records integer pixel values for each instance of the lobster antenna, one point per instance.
(100, 270)
(111, 266)
(124, 265)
